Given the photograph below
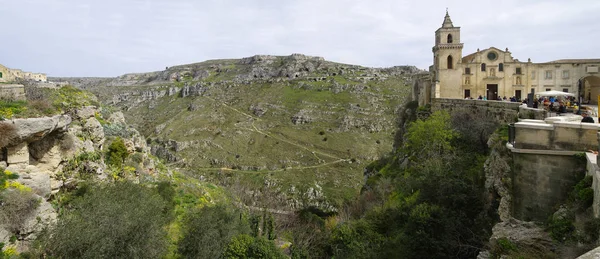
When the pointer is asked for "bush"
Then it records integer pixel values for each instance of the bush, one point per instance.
(245, 246)
(8, 109)
(17, 206)
(117, 220)
(8, 133)
(207, 231)
(583, 193)
(561, 229)
(117, 152)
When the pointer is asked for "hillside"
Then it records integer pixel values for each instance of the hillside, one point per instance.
(297, 128)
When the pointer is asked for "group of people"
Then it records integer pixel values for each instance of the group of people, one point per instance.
(484, 98)
(550, 103)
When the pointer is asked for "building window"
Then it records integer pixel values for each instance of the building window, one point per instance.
(548, 89)
(483, 67)
(500, 67)
(548, 74)
(449, 38)
(518, 71)
(518, 80)
(532, 74)
(467, 93)
(0, 74)
(450, 62)
(565, 74)
(565, 90)
(467, 70)
(467, 80)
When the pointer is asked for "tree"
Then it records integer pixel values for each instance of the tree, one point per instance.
(207, 231)
(116, 220)
(245, 246)
(430, 137)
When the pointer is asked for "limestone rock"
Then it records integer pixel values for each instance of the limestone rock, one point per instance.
(116, 118)
(258, 110)
(33, 129)
(95, 129)
(301, 117)
(85, 112)
(33, 178)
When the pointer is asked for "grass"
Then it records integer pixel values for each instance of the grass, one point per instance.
(226, 141)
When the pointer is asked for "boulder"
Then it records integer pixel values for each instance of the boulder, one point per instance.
(85, 112)
(29, 130)
(95, 129)
(116, 118)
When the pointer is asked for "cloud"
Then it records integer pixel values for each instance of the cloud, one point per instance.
(111, 37)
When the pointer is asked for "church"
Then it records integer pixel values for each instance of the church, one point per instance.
(494, 73)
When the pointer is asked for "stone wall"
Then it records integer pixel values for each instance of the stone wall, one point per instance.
(12, 92)
(503, 112)
(545, 165)
(541, 182)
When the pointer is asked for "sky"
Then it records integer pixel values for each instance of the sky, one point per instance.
(115, 37)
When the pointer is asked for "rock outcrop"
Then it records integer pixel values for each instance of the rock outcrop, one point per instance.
(44, 147)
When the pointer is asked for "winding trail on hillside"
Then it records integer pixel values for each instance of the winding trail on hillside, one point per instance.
(255, 129)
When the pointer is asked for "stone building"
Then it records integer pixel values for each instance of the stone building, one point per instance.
(495, 73)
(10, 75)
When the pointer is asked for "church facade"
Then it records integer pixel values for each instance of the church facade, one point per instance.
(494, 73)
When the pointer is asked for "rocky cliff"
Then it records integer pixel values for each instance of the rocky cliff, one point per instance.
(299, 127)
(51, 154)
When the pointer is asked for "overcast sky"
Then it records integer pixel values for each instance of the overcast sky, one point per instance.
(114, 37)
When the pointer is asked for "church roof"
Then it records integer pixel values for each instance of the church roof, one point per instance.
(469, 58)
(575, 61)
(447, 21)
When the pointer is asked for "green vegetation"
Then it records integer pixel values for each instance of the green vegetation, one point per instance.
(115, 220)
(207, 231)
(433, 207)
(117, 152)
(46, 102)
(245, 246)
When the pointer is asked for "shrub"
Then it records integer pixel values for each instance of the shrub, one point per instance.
(8, 133)
(117, 152)
(583, 193)
(207, 231)
(245, 246)
(17, 206)
(116, 220)
(561, 229)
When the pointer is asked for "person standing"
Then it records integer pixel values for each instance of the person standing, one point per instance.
(586, 118)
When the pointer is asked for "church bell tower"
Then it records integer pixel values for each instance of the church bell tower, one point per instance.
(447, 53)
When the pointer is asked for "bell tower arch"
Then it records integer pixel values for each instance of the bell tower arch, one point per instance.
(447, 48)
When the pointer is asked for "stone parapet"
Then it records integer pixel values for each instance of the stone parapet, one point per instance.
(503, 112)
(560, 135)
(13, 92)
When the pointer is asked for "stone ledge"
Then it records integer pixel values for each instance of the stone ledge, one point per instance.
(534, 125)
(577, 125)
(542, 152)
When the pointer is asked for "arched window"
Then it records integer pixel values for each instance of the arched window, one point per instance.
(483, 67)
(0, 74)
(449, 38)
(450, 62)
(500, 67)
